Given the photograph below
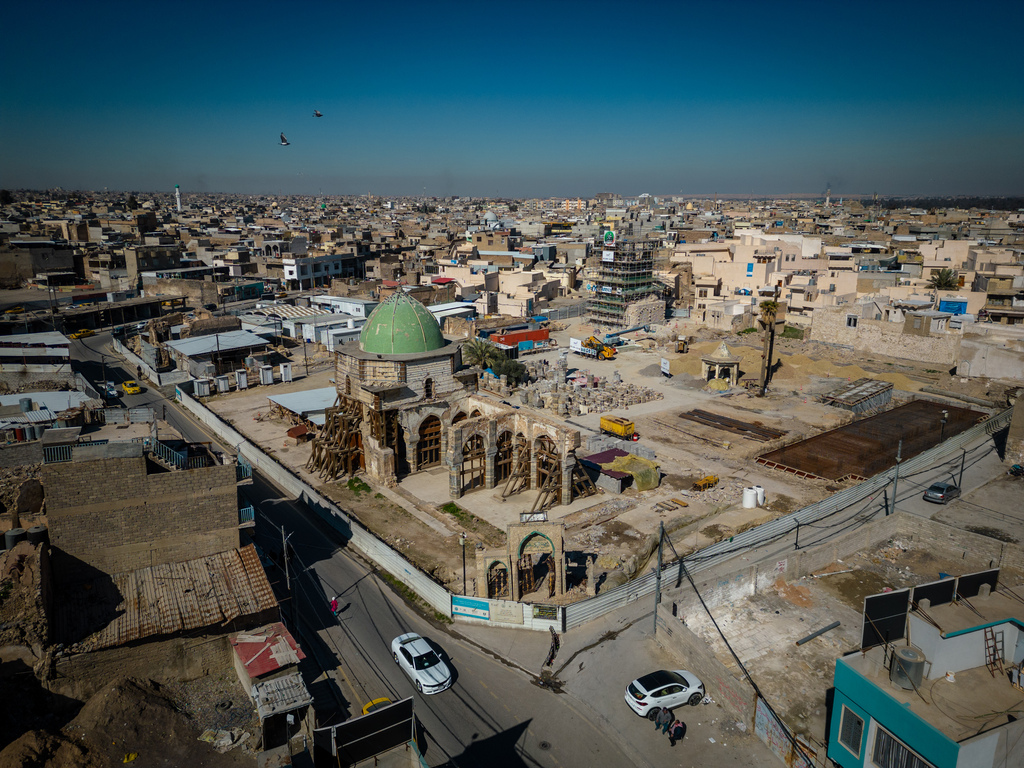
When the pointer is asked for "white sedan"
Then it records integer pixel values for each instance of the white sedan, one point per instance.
(421, 663)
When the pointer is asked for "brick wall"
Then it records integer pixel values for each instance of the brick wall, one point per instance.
(21, 454)
(172, 660)
(112, 515)
(829, 325)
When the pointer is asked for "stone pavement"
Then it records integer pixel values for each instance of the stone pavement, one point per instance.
(594, 665)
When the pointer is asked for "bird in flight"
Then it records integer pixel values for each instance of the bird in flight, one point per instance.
(317, 113)
(284, 141)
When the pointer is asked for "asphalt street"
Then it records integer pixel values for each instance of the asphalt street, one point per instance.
(494, 714)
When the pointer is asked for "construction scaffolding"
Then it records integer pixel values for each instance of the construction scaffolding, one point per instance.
(620, 275)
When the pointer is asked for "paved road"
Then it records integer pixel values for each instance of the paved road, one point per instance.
(494, 714)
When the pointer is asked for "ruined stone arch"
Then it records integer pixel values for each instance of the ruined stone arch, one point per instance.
(474, 463)
(428, 444)
(504, 456)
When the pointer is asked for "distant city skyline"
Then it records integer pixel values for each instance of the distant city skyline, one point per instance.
(541, 100)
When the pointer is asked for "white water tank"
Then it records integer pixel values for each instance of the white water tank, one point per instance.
(760, 495)
(749, 498)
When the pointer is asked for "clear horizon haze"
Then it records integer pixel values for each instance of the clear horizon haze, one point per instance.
(515, 100)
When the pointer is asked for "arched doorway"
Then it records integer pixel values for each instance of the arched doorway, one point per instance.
(428, 447)
(504, 457)
(474, 464)
(497, 580)
(536, 566)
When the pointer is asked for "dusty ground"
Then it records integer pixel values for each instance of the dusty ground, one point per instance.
(414, 519)
(127, 722)
(159, 725)
(791, 676)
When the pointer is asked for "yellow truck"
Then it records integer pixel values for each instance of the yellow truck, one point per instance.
(619, 427)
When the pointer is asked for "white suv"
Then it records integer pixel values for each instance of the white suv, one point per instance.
(663, 689)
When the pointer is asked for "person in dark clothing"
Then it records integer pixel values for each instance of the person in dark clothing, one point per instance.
(676, 732)
(663, 719)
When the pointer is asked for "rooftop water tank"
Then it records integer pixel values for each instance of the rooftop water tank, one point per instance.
(25, 403)
(14, 536)
(37, 534)
(907, 668)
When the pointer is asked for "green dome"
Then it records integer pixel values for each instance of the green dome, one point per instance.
(400, 326)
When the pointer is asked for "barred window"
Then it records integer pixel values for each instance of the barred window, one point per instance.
(851, 729)
(890, 753)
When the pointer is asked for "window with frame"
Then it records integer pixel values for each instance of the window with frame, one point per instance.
(851, 731)
(889, 752)
(851, 321)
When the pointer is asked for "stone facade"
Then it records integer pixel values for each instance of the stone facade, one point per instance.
(516, 426)
(535, 539)
(121, 514)
(844, 325)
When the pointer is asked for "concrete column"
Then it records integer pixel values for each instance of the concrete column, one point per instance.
(489, 472)
(568, 463)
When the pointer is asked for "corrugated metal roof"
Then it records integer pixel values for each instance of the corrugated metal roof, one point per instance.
(164, 600)
(266, 649)
(204, 345)
(287, 311)
(282, 694)
(308, 401)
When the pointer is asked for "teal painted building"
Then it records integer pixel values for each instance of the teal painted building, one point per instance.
(964, 710)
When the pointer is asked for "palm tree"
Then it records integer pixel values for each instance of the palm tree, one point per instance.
(769, 310)
(480, 353)
(944, 280)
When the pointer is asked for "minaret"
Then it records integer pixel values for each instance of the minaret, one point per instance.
(177, 197)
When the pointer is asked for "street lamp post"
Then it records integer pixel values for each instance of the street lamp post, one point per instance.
(462, 541)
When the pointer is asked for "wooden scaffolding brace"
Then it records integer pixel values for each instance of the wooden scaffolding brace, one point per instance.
(519, 478)
(338, 447)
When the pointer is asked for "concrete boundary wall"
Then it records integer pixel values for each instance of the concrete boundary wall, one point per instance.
(503, 613)
(722, 684)
(977, 553)
(584, 611)
(368, 545)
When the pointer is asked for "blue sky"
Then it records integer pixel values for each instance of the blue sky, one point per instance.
(523, 99)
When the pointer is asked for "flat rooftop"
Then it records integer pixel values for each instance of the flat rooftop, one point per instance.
(944, 704)
(954, 618)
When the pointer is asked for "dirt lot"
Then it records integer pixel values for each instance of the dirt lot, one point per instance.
(763, 629)
(418, 520)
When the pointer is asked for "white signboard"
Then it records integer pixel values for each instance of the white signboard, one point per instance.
(665, 368)
(575, 345)
(607, 255)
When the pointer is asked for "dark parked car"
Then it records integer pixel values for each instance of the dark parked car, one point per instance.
(942, 493)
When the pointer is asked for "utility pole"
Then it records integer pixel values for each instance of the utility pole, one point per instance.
(896, 477)
(287, 575)
(462, 541)
(657, 575)
(963, 459)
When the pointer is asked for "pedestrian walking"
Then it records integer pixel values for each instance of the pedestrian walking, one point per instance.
(663, 719)
(676, 732)
(334, 605)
